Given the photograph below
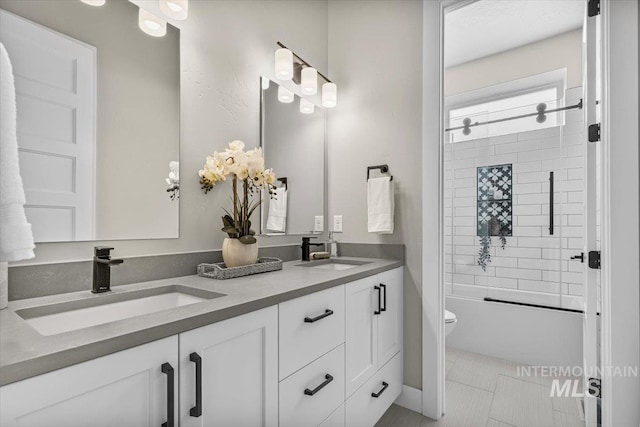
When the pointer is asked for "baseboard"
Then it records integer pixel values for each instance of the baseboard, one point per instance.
(410, 398)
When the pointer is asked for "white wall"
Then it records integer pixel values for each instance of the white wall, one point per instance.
(375, 58)
(534, 266)
(225, 47)
(561, 51)
(533, 336)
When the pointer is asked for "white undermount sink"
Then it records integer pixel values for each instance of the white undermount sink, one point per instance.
(333, 264)
(99, 309)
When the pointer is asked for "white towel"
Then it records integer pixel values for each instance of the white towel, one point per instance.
(16, 238)
(277, 219)
(380, 205)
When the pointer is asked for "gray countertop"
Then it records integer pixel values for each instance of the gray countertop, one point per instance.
(25, 353)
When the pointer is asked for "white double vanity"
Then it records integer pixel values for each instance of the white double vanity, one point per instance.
(330, 357)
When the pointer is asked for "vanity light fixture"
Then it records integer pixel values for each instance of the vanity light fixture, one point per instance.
(329, 95)
(284, 64)
(285, 95)
(290, 66)
(309, 83)
(94, 2)
(265, 82)
(175, 9)
(151, 24)
(306, 106)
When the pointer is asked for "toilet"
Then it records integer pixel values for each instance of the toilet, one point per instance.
(450, 322)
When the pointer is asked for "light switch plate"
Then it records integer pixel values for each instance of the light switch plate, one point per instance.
(318, 225)
(337, 223)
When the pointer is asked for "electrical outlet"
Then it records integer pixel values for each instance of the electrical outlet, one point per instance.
(337, 223)
(318, 225)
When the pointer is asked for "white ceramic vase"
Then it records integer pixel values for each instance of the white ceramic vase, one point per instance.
(236, 253)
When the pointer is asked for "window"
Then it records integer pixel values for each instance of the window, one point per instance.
(491, 106)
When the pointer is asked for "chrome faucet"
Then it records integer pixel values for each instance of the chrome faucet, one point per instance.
(305, 247)
(102, 263)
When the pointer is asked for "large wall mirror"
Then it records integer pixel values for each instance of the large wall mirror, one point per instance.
(293, 139)
(98, 110)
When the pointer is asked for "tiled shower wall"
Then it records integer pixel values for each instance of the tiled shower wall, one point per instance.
(534, 266)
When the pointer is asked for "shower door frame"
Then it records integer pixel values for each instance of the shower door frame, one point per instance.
(433, 402)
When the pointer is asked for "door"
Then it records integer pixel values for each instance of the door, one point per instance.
(591, 79)
(238, 365)
(361, 332)
(128, 388)
(56, 127)
(390, 319)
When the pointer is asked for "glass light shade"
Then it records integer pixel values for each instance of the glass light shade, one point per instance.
(309, 81)
(151, 24)
(265, 82)
(284, 64)
(285, 95)
(306, 106)
(175, 9)
(329, 95)
(94, 2)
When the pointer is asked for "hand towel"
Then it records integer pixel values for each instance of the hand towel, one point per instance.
(16, 238)
(277, 219)
(380, 205)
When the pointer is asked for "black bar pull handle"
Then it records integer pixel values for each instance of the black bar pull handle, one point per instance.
(580, 257)
(384, 300)
(384, 387)
(327, 379)
(196, 411)
(326, 313)
(168, 369)
(551, 203)
(379, 310)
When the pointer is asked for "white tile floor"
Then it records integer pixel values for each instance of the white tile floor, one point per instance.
(484, 391)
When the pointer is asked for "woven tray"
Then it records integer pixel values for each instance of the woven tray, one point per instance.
(220, 271)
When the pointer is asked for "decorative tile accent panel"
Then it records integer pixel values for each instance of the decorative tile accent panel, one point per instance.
(495, 200)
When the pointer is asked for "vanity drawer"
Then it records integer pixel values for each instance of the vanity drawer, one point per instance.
(362, 408)
(304, 400)
(336, 419)
(309, 327)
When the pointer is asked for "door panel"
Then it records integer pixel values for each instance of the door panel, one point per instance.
(239, 371)
(390, 320)
(130, 381)
(361, 332)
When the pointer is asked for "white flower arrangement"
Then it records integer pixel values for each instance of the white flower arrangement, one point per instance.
(248, 167)
(174, 180)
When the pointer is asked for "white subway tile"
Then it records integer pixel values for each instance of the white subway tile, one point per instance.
(518, 273)
(539, 286)
(464, 201)
(575, 173)
(530, 188)
(527, 231)
(465, 192)
(526, 210)
(468, 279)
(464, 221)
(539, 242)
(539, 220)
(539, 264)
(551, 276)
(466, 211)
(539, 134)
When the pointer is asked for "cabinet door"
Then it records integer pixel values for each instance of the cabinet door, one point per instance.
(361, 346)
(390, 320)
(239, 372)
(127, 388)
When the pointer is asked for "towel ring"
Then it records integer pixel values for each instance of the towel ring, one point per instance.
(283, 180)
(383, 169)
